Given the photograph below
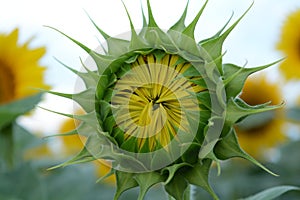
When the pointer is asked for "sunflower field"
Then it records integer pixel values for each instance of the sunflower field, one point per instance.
(175, 100)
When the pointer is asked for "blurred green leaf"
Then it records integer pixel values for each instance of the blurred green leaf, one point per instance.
(9, 112)
(22, 183)
(14, 141)
(6, 148)
(294, 113)
(271, 193)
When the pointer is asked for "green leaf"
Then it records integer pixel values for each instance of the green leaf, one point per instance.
(14, 141)
(6, 147)
(198, 175)
(177, 187)
(9, 112)
(146, 181)
(22, 183)
(272, 193)
(229, 147)
(125, 181)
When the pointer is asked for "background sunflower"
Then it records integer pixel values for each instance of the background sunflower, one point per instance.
(289, 45)
(20, 72)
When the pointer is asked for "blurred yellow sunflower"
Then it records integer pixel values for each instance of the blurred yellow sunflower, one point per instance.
(20, 71)
(289, 44)
(74, 143)
(262, 131)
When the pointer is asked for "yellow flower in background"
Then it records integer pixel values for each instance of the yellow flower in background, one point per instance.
(289, 44)
(74, 143)
(267, 129)
(71, 143)
(20, 71)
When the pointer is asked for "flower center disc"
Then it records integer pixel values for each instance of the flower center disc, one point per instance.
(6, 84)
(151, 100)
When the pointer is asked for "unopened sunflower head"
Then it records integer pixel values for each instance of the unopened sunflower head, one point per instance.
(161, 106)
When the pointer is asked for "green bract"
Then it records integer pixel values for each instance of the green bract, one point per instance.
(161, 106)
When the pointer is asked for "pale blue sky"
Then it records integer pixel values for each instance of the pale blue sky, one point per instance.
(253, 40)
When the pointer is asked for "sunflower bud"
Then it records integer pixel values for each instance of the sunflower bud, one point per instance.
(161, 106)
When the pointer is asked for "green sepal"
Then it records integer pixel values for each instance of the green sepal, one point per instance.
(90, 78)
(214, 46)
(85, 98)
(198, 175)
(103, 109)
(115, 46)
(82, 157)
(136, 42)
(211, 137)
(125, 181)
(190, 29)
(68, 133)
(146, 181)
(108, 174)
(173, 169)
(235, 77)
(272, 193)
(10, 111)
(256, 120)
(151, 20)
(88, 118)
(218, 33)
(101, 86)
(237, 109)
(180, 24)
(177, 187)
(102, 61)
(229, 147)
(204, 98)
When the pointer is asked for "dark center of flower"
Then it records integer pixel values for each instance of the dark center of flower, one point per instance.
(6, 84)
